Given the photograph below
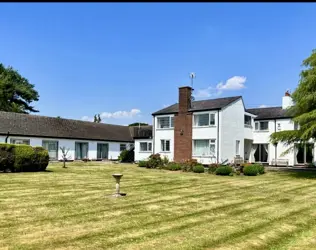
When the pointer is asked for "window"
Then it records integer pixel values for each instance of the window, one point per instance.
(247, 120)
(165, 122)
(102, 150)
(279, 126)
(52, 148)
(145, 146)
(165, 145)
(81, 150)
(201, 120)
(20, 141)
(131, 146)
(262, 126)
(122, 147)
(237, 147)
(203, 147)
(296, 126)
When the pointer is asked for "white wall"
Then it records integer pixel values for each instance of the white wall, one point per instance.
(139, 155)
(264, 137)
(163, 134)
(232, 129)
(114, 147)
(205, 132)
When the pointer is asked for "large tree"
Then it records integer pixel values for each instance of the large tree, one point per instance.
(304, 109)
(16, 93)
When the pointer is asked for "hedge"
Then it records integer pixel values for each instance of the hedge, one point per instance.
(22, 158)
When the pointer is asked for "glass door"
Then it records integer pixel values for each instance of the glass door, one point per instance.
(81, 150)
(102, 150)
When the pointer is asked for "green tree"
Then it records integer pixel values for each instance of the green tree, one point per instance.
(138, 124)
(304, 109)
(97, 118)
(16, 93)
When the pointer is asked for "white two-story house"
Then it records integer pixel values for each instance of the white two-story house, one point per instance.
(218, 130)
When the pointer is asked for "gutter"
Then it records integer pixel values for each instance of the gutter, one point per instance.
(275, 146)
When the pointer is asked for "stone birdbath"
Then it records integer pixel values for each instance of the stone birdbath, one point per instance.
(117, 192)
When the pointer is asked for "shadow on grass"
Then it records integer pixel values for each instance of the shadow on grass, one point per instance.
(306, 174)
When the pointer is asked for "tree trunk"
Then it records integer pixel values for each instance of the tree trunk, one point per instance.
(64, 163)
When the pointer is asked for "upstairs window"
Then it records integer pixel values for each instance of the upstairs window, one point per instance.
(20, 141)
(261, 126)
(203, 120)
(247, 120)
(165, 122)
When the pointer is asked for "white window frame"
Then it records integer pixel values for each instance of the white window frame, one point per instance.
(147, 146)
(258, 129)
(13, 141)
(171, 121)
(237, 148)
(164, 142)
(210, 142)
(209, 119)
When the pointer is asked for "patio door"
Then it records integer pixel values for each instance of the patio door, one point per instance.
(304, 153)
(261, 152)
(102, 150)
(52, 148)
(81, 150)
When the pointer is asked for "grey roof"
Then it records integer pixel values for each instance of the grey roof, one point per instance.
(142, 132)
(210, 104)
(269, 113)
(43, 126)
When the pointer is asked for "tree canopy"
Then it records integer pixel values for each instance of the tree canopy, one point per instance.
(304, 109)
(138, 124)
(97, 118)
(16, 93)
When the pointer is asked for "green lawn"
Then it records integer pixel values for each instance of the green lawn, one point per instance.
(72, 208)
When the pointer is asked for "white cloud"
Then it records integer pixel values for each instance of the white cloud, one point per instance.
(233, 83)
(87, 118)
(121, 114)
(263, 106)
(115, 115)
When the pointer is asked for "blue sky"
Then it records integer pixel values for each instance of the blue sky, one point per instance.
(127, 60)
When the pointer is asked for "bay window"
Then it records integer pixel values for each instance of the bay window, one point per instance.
(204, 147)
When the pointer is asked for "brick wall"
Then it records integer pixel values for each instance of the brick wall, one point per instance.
(183, 127)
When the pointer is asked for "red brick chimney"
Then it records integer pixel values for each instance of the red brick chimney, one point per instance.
(183, 126)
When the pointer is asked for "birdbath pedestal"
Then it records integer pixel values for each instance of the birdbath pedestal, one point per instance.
(117, 178)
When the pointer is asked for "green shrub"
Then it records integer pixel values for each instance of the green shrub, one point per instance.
(251, 170)
(24, 158)
(18, 158)
(41, 159)
(261, 169)
(172, 166)
(142, 164)
(126, 155)
(212, 168)
(238, 172)
(198, 168)
(224, 170)
(187, 166)
(155, 161)
(165, 160)
(6, 157)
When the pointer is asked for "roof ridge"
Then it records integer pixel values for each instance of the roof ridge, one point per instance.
(51, 117)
